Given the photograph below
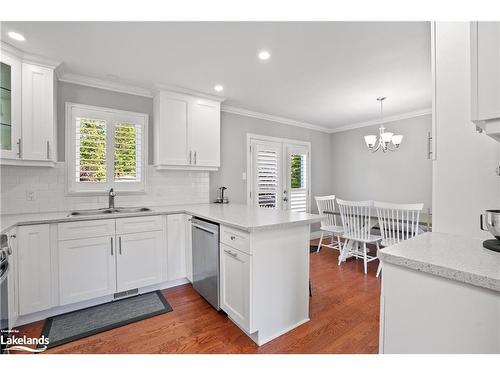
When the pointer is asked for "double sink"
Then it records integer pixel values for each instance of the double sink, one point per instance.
(104, 211)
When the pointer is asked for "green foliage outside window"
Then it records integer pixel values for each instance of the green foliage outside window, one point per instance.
(296, 171)
(125, 152)
(92, 150)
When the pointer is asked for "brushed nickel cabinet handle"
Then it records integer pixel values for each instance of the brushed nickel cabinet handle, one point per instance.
(195, 157)
(19, 148)
(233, 254)
(190, 154)
(48, 150)
(120, 244)
(111, 238)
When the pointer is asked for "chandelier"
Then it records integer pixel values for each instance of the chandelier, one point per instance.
(386, 141)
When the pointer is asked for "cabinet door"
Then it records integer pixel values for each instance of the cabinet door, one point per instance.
(205, 133)
(38, 113)
(488, 69)
(87, 269)
(13, 285)
(171, 131)
(176, 247)
(189, 249)
(35, 292)
(235, 285)
(10, 106)
(139, 260)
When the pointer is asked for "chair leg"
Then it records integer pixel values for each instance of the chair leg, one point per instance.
(320, 241)
(365, 263)
(342, 252)
(339, 245)
(379, 268)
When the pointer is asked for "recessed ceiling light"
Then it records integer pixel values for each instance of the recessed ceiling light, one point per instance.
(218, 88)
(16, 36)
(264, 55)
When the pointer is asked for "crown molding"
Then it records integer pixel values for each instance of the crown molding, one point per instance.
(273, 118)
(185, 91)
(104, 84)
(28, 57)
(402, 116)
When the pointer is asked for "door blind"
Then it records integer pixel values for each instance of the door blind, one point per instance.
(267, 177)
(90, 150)
(298, 185)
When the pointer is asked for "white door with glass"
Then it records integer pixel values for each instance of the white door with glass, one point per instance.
(279, 174)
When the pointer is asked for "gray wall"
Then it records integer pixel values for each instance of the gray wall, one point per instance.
(234, 129)
(404, 176)
(68, 92)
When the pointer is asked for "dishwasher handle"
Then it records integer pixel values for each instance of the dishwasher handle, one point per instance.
(203, 228)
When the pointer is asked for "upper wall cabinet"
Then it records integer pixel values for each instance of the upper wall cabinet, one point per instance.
(28, 121)
(186, 132)
(485, 76)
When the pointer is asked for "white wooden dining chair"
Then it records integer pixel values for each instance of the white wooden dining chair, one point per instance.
(397, 222)
(329, 223)
(357, 224)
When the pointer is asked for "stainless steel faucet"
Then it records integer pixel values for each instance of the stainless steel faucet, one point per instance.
(111, 198)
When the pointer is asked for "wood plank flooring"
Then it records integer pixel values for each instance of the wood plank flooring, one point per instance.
(344, 313)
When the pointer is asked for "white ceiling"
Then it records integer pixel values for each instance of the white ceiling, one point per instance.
(323, 73)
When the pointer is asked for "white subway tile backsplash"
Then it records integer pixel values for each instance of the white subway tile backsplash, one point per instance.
(49, 185)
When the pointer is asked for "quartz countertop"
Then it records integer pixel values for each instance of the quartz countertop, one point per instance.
(454, 257)
(247, 218)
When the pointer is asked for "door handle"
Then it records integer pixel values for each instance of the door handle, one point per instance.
(111, 246)
(120, 244)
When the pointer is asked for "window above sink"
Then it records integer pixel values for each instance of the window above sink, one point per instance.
(106, 148)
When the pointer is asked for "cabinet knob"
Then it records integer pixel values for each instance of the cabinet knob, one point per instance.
(233, 238)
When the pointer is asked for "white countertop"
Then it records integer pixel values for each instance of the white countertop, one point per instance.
(247, 218)
(454, 257)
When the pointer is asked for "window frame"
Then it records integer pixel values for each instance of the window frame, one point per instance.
(111, 116)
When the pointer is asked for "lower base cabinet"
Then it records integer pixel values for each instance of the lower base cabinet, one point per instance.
(235, 285)
(139, 260)
(34, 260)
(86, 269)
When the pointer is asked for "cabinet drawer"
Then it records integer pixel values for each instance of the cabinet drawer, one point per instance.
(86, 229)
(139, 224)
(236, 238)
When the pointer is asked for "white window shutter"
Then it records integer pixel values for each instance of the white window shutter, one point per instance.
(90, 150)
(267, 172)
(128, 152)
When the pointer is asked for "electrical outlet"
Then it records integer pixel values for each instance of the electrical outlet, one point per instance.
(244, 176)
(30, 195)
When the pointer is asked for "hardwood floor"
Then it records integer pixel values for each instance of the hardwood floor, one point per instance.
(344, 313)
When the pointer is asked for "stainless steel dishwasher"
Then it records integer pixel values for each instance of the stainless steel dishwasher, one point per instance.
(205, 248)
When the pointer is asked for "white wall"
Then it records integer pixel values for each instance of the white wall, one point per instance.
(404, 176)
(464, 178)
(234, 130)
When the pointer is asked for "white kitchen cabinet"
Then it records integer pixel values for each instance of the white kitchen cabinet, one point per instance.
(187, 131)
(12, 279)
(28, 116)
(176, 247)
(235, 284)
(205, 133)
(86, 269)
(34, 272)
(10, 106)
(139, 260)
(38, 119)
(189, 247)
(485, 76)
(170, 129)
